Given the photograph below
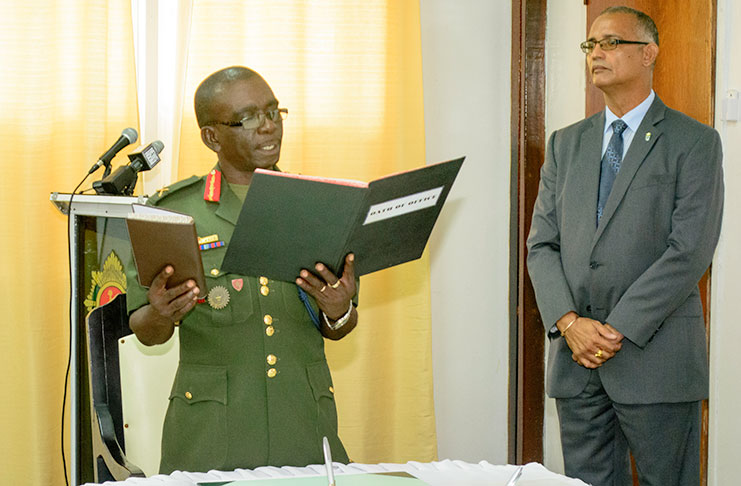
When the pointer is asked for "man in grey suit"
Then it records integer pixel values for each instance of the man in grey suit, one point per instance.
(625, 224)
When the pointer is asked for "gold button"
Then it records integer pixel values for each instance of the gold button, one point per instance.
(263, 280)
(270, 330)
(214, 271)
(272, 359)
(264, 290)
(272, 372)
(331, 389)
(188, 395)
(268, 319)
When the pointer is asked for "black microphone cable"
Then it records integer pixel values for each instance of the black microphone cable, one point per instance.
(71, 310)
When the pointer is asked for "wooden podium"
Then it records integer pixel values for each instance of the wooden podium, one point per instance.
(99, 252)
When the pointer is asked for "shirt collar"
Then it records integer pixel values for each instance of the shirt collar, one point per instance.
(634, 117)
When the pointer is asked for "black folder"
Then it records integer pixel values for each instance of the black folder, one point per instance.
(289, 222)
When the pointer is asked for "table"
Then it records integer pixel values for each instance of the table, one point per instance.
(442, 473)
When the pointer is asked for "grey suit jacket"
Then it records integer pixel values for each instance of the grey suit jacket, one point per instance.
(639, 269)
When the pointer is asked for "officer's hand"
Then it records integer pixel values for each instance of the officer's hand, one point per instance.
(332, 294)
(154, 323)
(591, 342)
(172, 303)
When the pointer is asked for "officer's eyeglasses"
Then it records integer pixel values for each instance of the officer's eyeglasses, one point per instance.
(256, 119)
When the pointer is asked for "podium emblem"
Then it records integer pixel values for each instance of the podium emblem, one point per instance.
(107, 283)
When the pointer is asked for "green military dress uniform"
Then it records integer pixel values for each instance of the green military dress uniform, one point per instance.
(253, 387)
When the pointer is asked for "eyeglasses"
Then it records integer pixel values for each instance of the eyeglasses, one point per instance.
(606, 44)
(256, 119)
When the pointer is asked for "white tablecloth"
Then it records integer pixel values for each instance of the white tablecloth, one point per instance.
(442, 473)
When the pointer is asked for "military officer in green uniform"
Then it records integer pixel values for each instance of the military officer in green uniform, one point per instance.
(253, 387)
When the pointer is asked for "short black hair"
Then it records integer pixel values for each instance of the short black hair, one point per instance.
(212, 86)
(644, 21)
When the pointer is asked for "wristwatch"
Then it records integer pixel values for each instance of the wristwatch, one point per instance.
(339, 322)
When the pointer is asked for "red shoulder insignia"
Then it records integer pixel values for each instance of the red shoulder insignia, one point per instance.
(213, 186)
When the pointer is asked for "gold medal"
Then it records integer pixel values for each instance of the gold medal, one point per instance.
(218, 297)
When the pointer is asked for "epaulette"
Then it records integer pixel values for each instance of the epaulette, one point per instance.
(171, 189)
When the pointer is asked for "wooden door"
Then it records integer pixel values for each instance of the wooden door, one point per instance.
(684, 78)
(527, 391)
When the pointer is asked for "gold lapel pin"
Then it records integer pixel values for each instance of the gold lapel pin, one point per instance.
(648, 136)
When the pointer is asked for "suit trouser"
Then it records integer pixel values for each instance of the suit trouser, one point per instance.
(598, 435)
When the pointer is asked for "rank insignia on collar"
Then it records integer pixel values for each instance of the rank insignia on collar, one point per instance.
(213, 186)
(648, 136)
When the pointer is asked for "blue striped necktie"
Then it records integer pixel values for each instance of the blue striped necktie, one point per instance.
(610, 165)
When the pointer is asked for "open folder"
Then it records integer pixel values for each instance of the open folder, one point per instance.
(289, 222)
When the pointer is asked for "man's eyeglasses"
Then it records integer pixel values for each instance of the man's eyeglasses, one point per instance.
(606, 44)
(256, 119)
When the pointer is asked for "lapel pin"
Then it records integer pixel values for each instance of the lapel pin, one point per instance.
(648, 136)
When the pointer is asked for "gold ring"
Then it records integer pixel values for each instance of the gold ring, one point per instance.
(323, 288)
(335, 285)
(598, 354)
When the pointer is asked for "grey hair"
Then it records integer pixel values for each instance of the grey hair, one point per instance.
(645, 22)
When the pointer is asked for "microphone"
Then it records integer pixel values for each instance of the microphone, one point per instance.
(145, 158)
(128, 136)
(123, 179)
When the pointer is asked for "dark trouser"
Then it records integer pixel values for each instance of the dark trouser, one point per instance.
(597, 435)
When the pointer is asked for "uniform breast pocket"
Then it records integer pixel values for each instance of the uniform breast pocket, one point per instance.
(229, 296)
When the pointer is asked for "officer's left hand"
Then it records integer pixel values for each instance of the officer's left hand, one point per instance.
(332, 294)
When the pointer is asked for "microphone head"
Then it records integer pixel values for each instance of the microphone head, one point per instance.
(130, 135)
(146, 157)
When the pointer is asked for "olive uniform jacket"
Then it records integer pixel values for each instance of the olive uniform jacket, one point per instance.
(253, 387)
